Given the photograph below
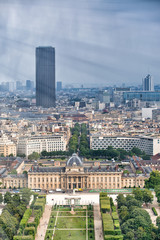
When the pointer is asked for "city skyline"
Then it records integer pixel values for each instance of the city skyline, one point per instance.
(97, 43)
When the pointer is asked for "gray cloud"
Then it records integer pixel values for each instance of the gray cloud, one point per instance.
(98, 42)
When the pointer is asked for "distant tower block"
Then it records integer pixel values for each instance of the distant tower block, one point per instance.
(147, 83)
(59, 86)
(45, 77)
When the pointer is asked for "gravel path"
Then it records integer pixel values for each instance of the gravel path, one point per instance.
(42, 227)
(149, 209)
(97, 223)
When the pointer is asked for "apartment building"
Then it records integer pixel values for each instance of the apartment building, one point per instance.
(151, 145)
(49, 143)
(7, 147)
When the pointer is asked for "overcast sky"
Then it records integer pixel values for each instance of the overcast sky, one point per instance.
(97, 42)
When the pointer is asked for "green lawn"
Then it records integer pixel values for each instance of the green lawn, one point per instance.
(70, 214)
(69, 235)
(67, 221)
(71, 222)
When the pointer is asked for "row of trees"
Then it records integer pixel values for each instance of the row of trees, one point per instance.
(135, 221)
(110, 152)
(13, 212)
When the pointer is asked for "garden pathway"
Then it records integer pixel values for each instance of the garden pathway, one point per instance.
(97, 223)
(149, 209)
(42, 227)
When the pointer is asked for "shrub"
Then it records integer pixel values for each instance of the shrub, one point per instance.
(115, 216)
(102, 194)
(113, 208)
(154, 211)
(29, 231)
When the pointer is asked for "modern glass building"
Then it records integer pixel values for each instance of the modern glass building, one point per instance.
(143, 96)
(148, 83)
(45, 77)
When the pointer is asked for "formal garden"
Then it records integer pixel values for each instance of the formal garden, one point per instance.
(70, 224)
(31, 219)
(110, 218)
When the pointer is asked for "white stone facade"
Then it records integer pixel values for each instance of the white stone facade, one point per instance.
(150, 145)
(49, 143)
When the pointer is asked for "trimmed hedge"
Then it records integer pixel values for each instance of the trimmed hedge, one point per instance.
(29, 231)
(107, 221)
(114, 209)
(111, 225)
(115, 216)
(154, 211)
(110, 237)
(102, 194)
(105, 204)
(25, 219)
(23, 238)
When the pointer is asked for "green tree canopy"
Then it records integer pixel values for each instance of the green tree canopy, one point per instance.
(7, 197)
(34, 156)
(154, 180)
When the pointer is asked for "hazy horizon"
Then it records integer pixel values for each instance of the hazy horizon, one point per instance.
(97, 42)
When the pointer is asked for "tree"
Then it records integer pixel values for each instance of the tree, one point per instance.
(121, 200)
(129, 236)
(26, 194)
(16, 199)
(158, 222)
(34, 156)
(21, 155)
(11, 155)
(7, 197)
(123, 213)
(138, 194)
(141, 212)
(1, 198)
(147, 196)
(154, 180)
(133, 203)
(136, 151)
(25, 172)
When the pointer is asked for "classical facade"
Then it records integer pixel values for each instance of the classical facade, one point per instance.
(86, 175)
(14, 181)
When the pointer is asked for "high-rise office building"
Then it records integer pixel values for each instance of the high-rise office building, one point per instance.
(45, 76)
(59, 86)
(29, 85)
(147, 83)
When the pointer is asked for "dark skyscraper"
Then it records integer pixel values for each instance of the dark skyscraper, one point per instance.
(45, 77)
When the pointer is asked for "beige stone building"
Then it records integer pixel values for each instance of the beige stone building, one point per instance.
(14, 181)
(7, 147)
(86, 175)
